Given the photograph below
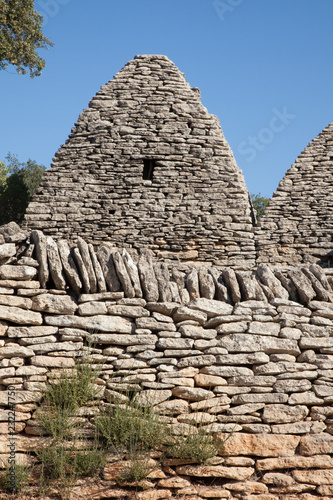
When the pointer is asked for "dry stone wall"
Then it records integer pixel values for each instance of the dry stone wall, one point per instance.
(146, 166)
(248, 354)
(297, 224)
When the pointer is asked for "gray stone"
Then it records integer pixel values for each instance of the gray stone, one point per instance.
(132, 272)
(13, 350)
(101, 285)
(123, 275)
(239, 342)
(20, 316)
(84, 277)
(31, 331)
(221, 290)
(281, 413)
(162, 275)
(10, 300)
(85, 255)
(206, 283)
(192, 284)
(8, 272)
(267, 278)
(55, 265)
(105, 258)
(211, 307)
(55, 304)
(230, 279)
(39, 240)
(7, 250)
(112, 324)
(147, 275)
(192, 394)
(69, 266)
(197, 332)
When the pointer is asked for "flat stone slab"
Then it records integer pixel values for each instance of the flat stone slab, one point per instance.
(112, 324)
(20, 316)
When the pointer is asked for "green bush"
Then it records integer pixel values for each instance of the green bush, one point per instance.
(17, 482)
(195, 445)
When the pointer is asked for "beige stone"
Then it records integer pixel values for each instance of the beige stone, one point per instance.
(55, 304)
(280, 414)
(296, 462)
(238, 473)
(112, 324)
(14, 350)
(20, 316)
(203, 380)
(313, 476)
(261, 445)
(53, 361)
(316, 444)
(173, 407)
(8, 272)
(247, 487)
(192, 394)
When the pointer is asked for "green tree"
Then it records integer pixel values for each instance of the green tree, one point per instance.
(20, 37)
(259, 203)
(18, 183)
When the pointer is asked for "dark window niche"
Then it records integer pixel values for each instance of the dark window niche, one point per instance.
(148, 169)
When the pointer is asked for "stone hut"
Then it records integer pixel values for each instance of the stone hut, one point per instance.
(147, 166)
(297, 226)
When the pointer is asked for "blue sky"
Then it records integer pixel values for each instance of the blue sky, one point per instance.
(264, 67)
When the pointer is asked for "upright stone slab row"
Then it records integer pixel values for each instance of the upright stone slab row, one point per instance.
(297, 226)
(146, 166)
(247, 355)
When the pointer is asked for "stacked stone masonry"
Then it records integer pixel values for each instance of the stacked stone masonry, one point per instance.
(248, 354)
(146, 166)
(297, 226)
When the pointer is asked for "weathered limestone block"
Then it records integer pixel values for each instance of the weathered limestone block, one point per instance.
(238, 473)
(304, 398)
(192, 284)
(316, 444)
(85, 255)
(55, 304)
(227, 371)
(133, 272)
(14, 350)
(242, 359)
(90, 297)
(269, 398)
(303, 285)
(230, 279)
(281, 414)
(162, 275)
(151, 397)
(296, 462)
(197, 361)
(124, 340)
(204, 380)
(69, 266)
(233, 327)
(7, 250)
(174, 343)
(9, 300)
(147, 276)
(92, 308)
(53, 361)
(299, 428)
(123, 275)
(9, 272)
(113, 324)
(55, 264)
(12, 233)
(210, 307)
(97, 270)
(154, 325)
(20, 316)
(261, 445)
(84, 277)
(197, 332)
(31, 331)
(105, 258)
(39, 240)
(185, 313)
(264, 328)
(192, 394)
(239, 342)
(249, 287)
(313, 476)
(221, 290)
(173, 407)
(322, 293)
(206, 283)
(267, 278)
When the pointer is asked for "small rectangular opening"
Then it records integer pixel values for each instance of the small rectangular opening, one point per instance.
(148, 169)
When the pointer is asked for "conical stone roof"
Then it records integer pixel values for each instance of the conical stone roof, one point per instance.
(147, 166)
(297, 225)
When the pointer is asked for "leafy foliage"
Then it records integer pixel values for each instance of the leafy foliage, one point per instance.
(18, 183)
(259, 203)
(20, 36)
